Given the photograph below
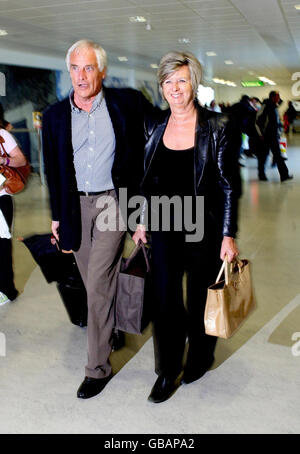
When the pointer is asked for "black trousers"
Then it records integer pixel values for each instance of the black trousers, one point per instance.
(173, 323)
(273, 145)
(7, 285)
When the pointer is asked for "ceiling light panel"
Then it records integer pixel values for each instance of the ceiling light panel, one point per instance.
(137, 19)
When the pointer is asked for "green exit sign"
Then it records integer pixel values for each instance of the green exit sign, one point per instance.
(252, 83)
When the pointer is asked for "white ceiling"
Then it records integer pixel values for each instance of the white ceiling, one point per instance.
(260, 36)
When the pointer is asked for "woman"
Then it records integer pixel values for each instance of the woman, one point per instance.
(8, 292)
(189, 151)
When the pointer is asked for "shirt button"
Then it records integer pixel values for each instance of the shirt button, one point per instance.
(91, 149)
(87, 182)
(91, 132)
(89, 166)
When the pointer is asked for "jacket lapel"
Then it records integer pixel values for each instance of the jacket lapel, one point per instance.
(153, 143)
(116, 116)
(201, 145)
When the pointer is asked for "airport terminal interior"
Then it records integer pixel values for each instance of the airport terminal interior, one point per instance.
(253, 385)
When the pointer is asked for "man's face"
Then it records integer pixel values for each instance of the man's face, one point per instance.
(85, 74)
(276, 98)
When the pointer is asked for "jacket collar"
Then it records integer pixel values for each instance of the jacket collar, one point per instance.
(202, 141)
(115, 114)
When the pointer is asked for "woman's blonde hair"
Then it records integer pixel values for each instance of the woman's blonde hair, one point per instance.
(87, 44)
(173, 61)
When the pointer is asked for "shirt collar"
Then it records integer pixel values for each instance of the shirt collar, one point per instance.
(96, 103)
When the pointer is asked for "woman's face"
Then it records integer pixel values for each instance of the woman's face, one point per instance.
(177, 88)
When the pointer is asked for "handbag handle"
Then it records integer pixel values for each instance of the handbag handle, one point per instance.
(135, 251)
(225, 266)
(4, 152)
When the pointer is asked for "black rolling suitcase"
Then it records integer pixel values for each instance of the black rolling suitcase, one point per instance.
(73, 294)
(61, 268)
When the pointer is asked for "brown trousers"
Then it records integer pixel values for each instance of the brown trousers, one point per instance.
(97, 259)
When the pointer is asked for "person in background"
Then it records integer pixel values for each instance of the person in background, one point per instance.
(255, 103)
(245, 114)
(189, 152)
(268, 127)
(8, 291)
(224, 107)
(289, 118)
(214, 106)
(93, 145)
(5, 124)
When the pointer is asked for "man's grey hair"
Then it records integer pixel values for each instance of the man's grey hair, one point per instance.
(87, 44)
(173, 61)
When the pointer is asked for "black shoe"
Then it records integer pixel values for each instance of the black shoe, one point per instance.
(118, 340)
(194, 374)
(162, 390)
(262, 178)
(13, 295)
(90, 387)
(289, 177)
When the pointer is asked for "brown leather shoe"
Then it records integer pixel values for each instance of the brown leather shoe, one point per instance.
(90, 387)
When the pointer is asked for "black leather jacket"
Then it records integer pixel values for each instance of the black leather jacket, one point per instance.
(216, 169)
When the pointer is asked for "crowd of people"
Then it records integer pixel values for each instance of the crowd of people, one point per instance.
(260, 122)
(99, 140)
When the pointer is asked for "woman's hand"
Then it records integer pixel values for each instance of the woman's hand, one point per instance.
(229, 248)
(140, 234)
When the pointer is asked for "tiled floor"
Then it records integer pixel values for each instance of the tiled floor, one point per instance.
(254, 384)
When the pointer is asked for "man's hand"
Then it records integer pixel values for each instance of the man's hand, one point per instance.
(55, 229)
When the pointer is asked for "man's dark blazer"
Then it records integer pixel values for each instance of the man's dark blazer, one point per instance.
(126, 108)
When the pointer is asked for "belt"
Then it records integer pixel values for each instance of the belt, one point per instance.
(91, 193)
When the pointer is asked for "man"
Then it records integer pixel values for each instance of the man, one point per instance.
(267, 125)
(93, 145)
(255, 103)
(242, 113)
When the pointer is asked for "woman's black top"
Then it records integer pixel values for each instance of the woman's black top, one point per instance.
(172, 172)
